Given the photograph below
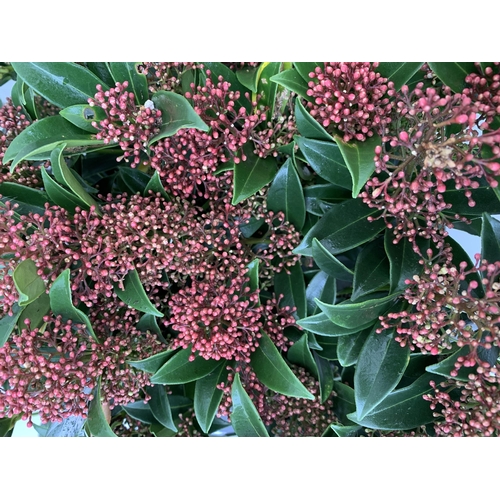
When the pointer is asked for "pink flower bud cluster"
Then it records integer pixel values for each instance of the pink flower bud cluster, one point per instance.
(445, 309)
(476, 412)
(128, 125)
(166, 75)
(350, 98)
(284, 416)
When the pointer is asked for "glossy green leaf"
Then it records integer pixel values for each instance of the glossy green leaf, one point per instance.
(343, 227)
(346, 430)
(403, 261)
(35, 312)
(290, 283)
(300, 354)
(291, 80)
(484, 196)
(134, 295)
(403, 409)
(325, 376)
(148, 323)
(38, 140)
(155, 185)
(447, 365)
(351, 314)
(326, 159)
(7, 425)
(304, 68)
(381, 364)
(160, 407)
(82, 116)
(62, 303)
(153, 363)
(28, 284)
(139, 410)
(349, 347)
(266, 87)
(359, 158)
(59, 195)
(490, 239)
(29, 200)
(176, 113)
(248, 78)
(343, 401)
(179, 370)
(328, 263)
(308, 126)
(62, 171)
(245, 419)
(101, 70)
(132, 180)
(8, 323)
(398, 72)
(328, 348)
(322, 287)
(286, 195)
(272, 370)
(253, 274)
(96, 422)
(372, 269)
(137, 82)
(251, 175)
(321, 324)
(453, 74)
(61, 83)
(207, 396)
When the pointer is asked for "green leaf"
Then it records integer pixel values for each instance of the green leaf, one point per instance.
(304, 68)
(176, 113)
(290, 283)
(148, 323)
(160, 407)
(35, 312)
(291, 80)
(381, 364)
(346, 430)
(484, 196)
(403, 409)
(179, 370)
(308, 126)
(325, 376)
(38, 140)
(490, 239)
(62, 304)
(133, 294)
(28, 284)
(8, 323)
(328, 263)
(324, 288)
(326, 159)
(6, 426)
(403, 261)
(248, 78)
(244, 417)
(372, 269)
(30, 200)
(155, 185)
(358, 157)
(61, 83)
(137, 82)
(447, 365)
(139, 410)
(321, 324)
(101, 70)
(132, 180)
(453, 74)
(62, 172)
(398, 72)
(253, 274)
(252, 175)
(343, 227)
(58, 195)
(82, 116)
(300, 354)
(207, 397)
(96, 421)
(349, 347)
(272, 370)
(266, 88)
(153, 363)
(286, 195)
(351, 314)
(343, 402)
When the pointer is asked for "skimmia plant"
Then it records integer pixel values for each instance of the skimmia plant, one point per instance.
(259, 249)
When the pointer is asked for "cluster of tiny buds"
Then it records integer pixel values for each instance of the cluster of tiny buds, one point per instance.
(127, 124)
(351, 98)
